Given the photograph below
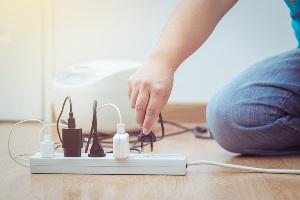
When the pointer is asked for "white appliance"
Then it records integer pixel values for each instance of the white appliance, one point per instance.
(101, 80)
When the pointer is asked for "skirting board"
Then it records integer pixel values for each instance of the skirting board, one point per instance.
(184, 112)
(189, 112)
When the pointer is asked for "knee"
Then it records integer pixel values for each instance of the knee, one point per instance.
(233, 122)
(221, 126)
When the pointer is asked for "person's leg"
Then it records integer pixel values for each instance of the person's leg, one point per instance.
(258, 113)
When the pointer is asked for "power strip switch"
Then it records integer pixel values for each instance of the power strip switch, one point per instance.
(168, 164)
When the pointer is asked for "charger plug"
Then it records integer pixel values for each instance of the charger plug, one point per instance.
(146, 138)
(96, 149)
(121, 147)
(72, 142)
(47, 147)
(71, 121)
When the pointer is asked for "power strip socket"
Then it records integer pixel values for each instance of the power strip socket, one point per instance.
(169, 164)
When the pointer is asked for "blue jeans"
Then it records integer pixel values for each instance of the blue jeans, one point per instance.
(258, 113)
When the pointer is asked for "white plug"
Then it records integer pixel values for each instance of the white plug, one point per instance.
(47, 147)
(121, 147)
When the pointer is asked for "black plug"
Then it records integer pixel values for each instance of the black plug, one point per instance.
(72, 137)
(71, 121)
(146, 138)
(200, 129)
(72, 142)
(96, 149)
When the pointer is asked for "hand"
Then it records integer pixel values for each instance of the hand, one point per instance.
(149, 89)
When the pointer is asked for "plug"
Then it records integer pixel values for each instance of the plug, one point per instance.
(121, 147)
(71, 121)
(96, 149)
(72, 137)
(72, 142)
(47, 147)
(146, 138)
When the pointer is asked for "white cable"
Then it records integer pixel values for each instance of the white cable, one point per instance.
(110, 104)
(8, 142)
(46, 126)
(254, 169)
(21, 157)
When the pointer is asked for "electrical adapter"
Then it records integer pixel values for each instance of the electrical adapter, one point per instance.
(96, 149)
(121, 147)
(72, 142)
(47, 147)
(146, 138)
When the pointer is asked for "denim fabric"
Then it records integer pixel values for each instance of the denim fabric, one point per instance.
(258, 113)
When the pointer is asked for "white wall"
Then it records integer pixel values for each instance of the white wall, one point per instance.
(128, 29)
(101, 29)
(251, 31)
(21, 57)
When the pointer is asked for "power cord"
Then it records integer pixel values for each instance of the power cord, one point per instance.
(71, 114)
(197, 130)
(47, 133)
(247, 168)
(93, 127)
(10, 132)
(21, 156)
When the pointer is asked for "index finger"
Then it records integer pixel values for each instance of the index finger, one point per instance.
(153, 109)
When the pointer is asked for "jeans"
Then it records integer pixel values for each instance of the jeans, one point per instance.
(258, 113)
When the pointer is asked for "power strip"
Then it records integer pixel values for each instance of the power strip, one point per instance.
(169, 164)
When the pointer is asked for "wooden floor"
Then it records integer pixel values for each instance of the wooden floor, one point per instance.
(201, 182)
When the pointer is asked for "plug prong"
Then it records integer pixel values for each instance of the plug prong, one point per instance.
(142, 147)
(151, 144)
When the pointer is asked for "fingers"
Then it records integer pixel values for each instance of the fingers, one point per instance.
(147, 107)
(133, 99)
(141, 107)
(129, 90)
(155, 104)
(132, 94)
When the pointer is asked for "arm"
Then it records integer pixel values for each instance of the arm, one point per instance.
(189, 26)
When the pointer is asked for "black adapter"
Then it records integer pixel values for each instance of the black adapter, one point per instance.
(71, 139)
(72, 142)
(146, 138)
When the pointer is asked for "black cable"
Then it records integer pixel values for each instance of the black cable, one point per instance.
(62, 109)
(70, 102)
(162, 127)
(94, 125)
(135, 149)
(196, 130)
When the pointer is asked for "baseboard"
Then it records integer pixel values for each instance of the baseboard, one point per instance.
(194, 112)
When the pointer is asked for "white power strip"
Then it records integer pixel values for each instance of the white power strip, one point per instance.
(169, 164)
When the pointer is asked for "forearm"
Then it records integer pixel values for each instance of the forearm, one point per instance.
(187, 29)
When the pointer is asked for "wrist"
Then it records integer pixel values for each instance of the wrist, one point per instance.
(156, 59)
